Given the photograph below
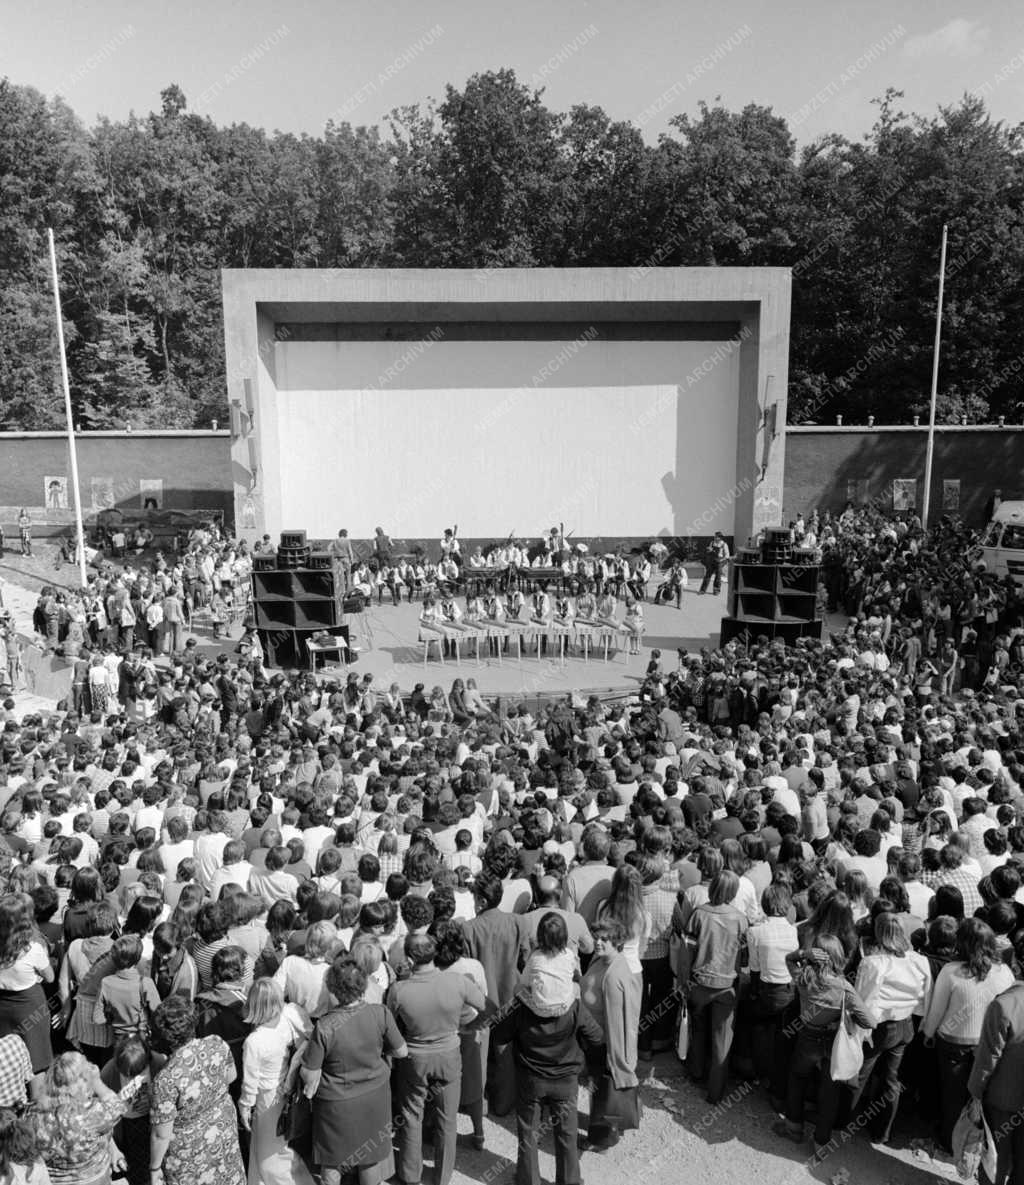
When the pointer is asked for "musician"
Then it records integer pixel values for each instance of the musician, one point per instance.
(475, 609)
(588, 572)
(451, 615)
(672, 586)
(553, 544)
(586, 605)
(540, 614)
(514, 604)
(493, 614)
(565, 610)
(606, 607)
(448, 570)
(715, 559)
(641, 575)
(634, 624)
(540, 605)
(449, 544)
(430, 617)
(622, 574)
(405, 577)
(382, 547)
(476, 560)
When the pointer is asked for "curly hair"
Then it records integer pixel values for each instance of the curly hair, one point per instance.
(18, 1144)
(16, 927)
(346, 980)
(173, 1024)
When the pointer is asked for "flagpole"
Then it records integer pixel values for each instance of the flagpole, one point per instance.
(930, 451)
(80, 533)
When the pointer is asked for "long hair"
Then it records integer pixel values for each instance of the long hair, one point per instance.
(833, 918)
(625, 902)
(976, 947)
(16, 927)
(826, 959)
(734, 857)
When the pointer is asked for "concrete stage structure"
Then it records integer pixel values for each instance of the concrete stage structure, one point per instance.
(626, 403)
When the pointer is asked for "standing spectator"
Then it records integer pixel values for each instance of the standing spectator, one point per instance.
(549, 1058)
(74, 1118)
(346, 1074)
(894, 983)
(24, 968)
(996, 1083)
(194, 1129)
(430, 1007)
(612, 993)
(496, 940)
(715, 934)
(278, 1031)
(825, 995)
(964, 988)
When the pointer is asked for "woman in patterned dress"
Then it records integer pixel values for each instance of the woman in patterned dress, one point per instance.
(194, 1129)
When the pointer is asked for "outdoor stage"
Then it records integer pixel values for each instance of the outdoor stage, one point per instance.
(392, 653)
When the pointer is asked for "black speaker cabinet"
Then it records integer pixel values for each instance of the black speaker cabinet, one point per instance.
(774, 600)
(292, 604)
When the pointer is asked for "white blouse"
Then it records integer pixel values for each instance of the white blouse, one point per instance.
(267, 1053)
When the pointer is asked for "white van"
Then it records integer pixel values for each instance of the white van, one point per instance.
(1002, 544)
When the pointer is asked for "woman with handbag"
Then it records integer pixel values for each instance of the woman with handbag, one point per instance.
(963, 990)
(269, 1066)
(347, 1074)
(612, 992)
(894, 982)
(827, 1000)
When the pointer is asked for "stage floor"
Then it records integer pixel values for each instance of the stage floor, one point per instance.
(391, 652)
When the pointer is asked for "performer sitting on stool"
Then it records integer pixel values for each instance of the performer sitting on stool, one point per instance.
(494, 614)
(451, 615)
(634, 624)
(541, 615)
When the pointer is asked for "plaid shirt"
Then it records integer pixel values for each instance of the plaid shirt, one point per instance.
(958, 878)
(659, 903)
(15, 1070)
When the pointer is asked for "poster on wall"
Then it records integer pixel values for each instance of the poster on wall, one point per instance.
(249, 513)
(151, 493)
(857, 491)
(55, 492)
(904, 493)
(102, 493)
(951, 495)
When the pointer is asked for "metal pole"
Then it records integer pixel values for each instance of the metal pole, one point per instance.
(67, 411)
(929, 453)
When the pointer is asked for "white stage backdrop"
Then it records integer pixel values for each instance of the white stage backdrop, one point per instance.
(611, 438)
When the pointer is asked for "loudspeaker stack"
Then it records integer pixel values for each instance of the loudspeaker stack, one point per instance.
(773, 592)
(297, 593)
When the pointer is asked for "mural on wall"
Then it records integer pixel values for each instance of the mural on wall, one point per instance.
(951, 495)
(102, 489)
(904, 493)
(151, 493)
(55, 492)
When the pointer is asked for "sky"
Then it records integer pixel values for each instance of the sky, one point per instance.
(293, 66)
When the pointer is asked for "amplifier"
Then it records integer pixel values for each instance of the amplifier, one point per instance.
(293, 538)
(321, 560)
(264, 561)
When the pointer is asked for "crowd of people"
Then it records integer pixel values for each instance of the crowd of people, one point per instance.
(258, 925)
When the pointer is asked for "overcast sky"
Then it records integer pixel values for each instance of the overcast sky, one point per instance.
(294, 65)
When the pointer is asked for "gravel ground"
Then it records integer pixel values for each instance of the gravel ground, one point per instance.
(683, 1139)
